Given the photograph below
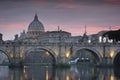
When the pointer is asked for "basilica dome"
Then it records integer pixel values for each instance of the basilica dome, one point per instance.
(36, 25)
(35, 28)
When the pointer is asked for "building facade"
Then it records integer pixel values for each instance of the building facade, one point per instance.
(36, 33)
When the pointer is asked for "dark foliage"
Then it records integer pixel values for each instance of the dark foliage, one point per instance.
(115, 35)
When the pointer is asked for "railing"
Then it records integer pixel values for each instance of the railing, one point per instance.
(18, 43)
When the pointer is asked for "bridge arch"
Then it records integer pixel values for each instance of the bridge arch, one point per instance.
(5, 52)
(50, 51)
(116, 58)
(93, 51)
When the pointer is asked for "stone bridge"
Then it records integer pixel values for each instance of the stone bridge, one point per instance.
(107, 53)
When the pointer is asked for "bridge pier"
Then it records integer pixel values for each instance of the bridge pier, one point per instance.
(16, 63)
(62, 60)
(106, 62)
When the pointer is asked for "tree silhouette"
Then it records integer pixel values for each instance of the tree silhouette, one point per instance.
(114, 35)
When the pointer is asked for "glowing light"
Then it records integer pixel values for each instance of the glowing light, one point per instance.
(11, 55)
(104, 39)
(112, 53)
(47, 76)
(24, 70)
(47, 53)
(67, 77)
(21, 55)
(100, 39)
(110, 41)
(68, 54)
(56, 52)
(89, 41)
(112, 77)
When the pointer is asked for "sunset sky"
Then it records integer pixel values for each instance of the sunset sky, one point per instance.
(70, 15)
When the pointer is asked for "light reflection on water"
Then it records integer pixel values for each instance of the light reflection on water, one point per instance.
(50, 73)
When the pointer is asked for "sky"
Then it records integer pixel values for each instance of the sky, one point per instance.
(71, 15)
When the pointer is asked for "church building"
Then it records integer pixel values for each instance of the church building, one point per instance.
(36, 33)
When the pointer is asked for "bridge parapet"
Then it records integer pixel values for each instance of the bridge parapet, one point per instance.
(18, 48)
(21, 43)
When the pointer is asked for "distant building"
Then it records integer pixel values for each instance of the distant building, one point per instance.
(37, 33)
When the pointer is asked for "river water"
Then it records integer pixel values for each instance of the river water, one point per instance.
(50, 73)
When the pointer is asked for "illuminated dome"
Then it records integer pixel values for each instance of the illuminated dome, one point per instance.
(36, 27)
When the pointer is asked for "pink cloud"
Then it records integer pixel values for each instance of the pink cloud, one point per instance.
(13, 26)
(76, 29)
(9, 30)
(96, 29)
(79, 30)
(67, 5)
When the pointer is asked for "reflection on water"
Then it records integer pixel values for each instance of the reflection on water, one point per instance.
(50, 73)
(4, 73)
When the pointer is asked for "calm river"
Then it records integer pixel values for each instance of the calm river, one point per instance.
(49, 73)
